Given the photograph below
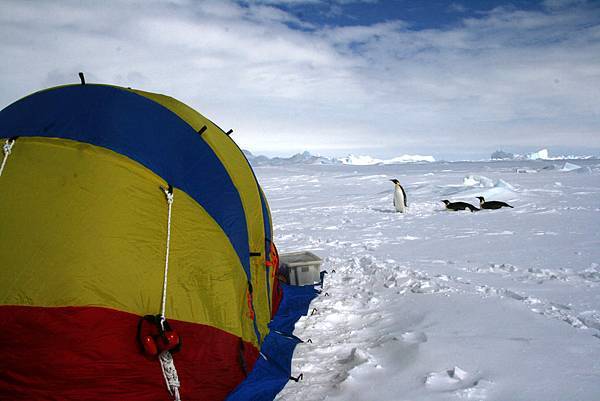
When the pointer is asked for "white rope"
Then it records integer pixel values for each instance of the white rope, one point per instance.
(166, 359)
(6, 149)
(170, 374)
(169, 195)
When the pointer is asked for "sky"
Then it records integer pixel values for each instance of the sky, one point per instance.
(451, 79)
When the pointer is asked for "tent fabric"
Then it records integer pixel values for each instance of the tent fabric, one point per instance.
(142, 130)
(273, 369)
(88, 353)
(83, 247)
(100, 220)
(254, 203)
(160, 133)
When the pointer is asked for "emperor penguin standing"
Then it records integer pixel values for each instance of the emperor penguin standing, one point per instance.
(399, 196)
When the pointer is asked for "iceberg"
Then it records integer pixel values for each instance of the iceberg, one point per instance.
(363, 160)
(360, 160)
(539, 155)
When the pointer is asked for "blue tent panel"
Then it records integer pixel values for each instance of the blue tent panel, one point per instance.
(273, 369)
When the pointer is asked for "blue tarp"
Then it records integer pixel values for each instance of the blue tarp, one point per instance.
(273, 368)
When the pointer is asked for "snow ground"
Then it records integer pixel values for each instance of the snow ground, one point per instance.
(439, 305)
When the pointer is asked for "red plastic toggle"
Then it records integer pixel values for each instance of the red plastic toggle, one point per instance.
(149, 346)
(169, 340)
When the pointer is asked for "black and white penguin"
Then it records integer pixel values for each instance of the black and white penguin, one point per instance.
(491, 204)
(400, 202)
(459, 206)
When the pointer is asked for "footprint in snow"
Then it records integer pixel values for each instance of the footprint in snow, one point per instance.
(355, 358)
(414, 337)
(451, 380)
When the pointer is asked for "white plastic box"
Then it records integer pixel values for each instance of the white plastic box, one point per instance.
(301, 268)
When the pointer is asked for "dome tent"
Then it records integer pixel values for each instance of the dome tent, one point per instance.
(89, 243)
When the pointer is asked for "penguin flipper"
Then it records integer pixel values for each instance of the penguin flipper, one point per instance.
(404, 196)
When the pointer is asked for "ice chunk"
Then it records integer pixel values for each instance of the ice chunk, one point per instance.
(570, 167)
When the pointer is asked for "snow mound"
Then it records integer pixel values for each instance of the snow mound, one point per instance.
(451, 379)
(503, 184)
(478, 185)
(478, 181)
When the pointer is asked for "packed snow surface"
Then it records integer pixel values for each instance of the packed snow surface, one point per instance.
(440, 305)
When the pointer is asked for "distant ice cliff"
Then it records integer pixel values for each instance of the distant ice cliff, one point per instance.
(368, 160)
(355, 160)
(542, 154)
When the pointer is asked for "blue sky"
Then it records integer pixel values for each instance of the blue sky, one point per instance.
(452, 79)
(418, 14)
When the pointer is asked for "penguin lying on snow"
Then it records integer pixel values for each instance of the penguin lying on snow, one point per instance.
(399, 196)
(459, 206)
(491, 204)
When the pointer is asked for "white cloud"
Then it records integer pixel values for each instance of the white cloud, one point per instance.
(509, 77)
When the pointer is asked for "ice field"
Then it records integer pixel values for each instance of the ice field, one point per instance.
(439, 305)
